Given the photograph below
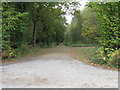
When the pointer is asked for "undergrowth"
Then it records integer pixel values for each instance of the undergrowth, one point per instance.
(23, 51)
(96, 56)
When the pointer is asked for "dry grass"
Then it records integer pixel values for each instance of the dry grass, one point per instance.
(83, 54)
(35, 53)
(79, 53)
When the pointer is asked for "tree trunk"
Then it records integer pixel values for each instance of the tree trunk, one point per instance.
(34, 33)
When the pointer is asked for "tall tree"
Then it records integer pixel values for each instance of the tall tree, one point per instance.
(13, 25)
(74, 31)
(90, 30)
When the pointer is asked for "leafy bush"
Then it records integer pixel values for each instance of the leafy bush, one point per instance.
(98, 59)
(67, 43)
(24, 49)
(112, 59)
(43, 45)
(108, 33)
(10, 53)
(53, 44)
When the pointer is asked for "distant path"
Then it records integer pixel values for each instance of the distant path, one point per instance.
(56, 69)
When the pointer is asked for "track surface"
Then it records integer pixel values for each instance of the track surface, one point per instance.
(56, 69)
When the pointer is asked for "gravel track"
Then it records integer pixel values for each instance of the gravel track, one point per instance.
(57, 70)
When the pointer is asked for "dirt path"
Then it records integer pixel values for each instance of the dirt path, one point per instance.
(56, 69)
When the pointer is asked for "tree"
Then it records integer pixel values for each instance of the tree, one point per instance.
(107, 13)
(31, 23)
(13, 26)
(109, 23)
(74, 31)
(38, 14)
(90, 26)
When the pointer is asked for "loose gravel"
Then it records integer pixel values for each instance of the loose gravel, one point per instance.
(57, 70)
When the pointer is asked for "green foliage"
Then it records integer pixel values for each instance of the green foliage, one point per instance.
(13, 26)
(44, 25)
(73, 33)
(24, 49)
(109, 23)
(46, 30)
(85, 52)
(90, 30)
(83, 28)
(109, 35)
(31, 23)
(81, 45)
(8, 54)
(99, 24)
(112, 59)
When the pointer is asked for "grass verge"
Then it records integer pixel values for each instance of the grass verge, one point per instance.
(84, 54)
(25, 53)
(82, 45)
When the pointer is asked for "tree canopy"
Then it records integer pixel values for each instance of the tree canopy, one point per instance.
(44, 24)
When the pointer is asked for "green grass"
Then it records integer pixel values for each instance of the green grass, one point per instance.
(26, 50)
(83, 53)
(83, 45)
(89, 56)
(86, 51)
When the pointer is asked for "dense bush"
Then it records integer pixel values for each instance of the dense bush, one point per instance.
(112, 59)
(25, 24)
(108, 18)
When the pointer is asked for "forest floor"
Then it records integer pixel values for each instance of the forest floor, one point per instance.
(56, 68)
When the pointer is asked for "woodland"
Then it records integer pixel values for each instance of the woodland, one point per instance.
(27, 25)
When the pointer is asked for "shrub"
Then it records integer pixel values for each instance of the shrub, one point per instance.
(53, 44)
(112, 59)
(10, 53)
(24, 48)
